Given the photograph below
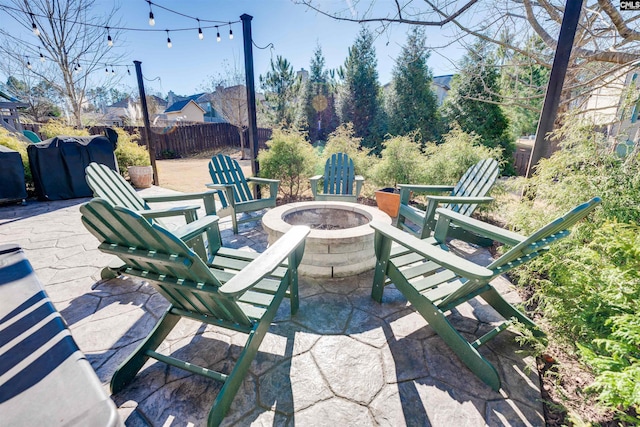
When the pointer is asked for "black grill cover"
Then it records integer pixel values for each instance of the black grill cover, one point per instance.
(12, 185)
(58, 164)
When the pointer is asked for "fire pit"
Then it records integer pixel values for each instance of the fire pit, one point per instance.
(340, 243)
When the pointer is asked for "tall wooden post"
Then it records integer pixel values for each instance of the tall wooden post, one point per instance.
(251, 96)
(147, 124)
(542, 146)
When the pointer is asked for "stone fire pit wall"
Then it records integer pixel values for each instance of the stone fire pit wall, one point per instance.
(340, 245)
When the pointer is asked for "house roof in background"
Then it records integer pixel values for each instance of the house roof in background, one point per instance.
(443, 81)
(124, 103)
(180, 105)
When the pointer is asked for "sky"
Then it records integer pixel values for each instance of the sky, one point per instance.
(279, 27)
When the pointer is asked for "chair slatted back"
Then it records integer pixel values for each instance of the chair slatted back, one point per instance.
(476, 182)
(534, 245)
(107, 184)
(153, 253)
(339, 174)
(225, 170)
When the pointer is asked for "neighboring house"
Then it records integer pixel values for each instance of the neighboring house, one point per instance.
(186, 111)
(615, 107)
(9, 111)
(441, 86)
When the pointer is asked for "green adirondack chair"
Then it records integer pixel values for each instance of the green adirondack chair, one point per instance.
(338, 180)
(236, 290)
(31, 136)
(436, 281)
(234, 192)
(109, 185)
(464, 197)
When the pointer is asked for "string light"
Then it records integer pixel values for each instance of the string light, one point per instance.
(230, 32)
(106, 70)
(152, 21)
(79, 66)
(217, 33)
(112, 71)
(34, 27)
(128, 71)
(28, 63)
(109, 39)
(41, 55)
(169, 44)
(200, 35)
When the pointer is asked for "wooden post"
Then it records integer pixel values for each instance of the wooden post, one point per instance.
(542, 146)
(147, 124)
(251, 97)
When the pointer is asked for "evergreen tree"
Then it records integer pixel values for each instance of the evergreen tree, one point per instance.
(473, 103)
(281, 87)
(319, 100)
(361, 100)
(413, 104)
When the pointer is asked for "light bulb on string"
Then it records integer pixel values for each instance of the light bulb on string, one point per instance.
(128, 71)
(217, 34)
(230, 32)
(28, 63)
(109, 39)
(106, 70)
(79, 66)
(41, 56)
(200, 35)
(169, 44)
(34, 27)
(152, 21)
(112, 71)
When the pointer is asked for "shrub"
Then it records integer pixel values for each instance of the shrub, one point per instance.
(129, 153)
(343, 140)
(13, 143)
(402, 162)
(58, 128)
(447, 162)
(289, 158)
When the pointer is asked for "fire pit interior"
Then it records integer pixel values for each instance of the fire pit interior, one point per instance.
(340, 243)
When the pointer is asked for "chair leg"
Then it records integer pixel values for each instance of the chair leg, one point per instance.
(233, 382)
(234, 221)
(506, 310)
(382, 248)
(130, 367)
(465, 351)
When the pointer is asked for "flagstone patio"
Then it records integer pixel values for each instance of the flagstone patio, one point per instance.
(343, 360)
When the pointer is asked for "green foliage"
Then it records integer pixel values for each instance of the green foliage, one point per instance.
(343, 140)
(413, 104)
(588, 286)
(319, 100)
(289, 158)
(473, 103)
(402, 162)
(281, 87)
(447, 162)
(129, 153)
(13, 143)
(59, 128)
(361, 98)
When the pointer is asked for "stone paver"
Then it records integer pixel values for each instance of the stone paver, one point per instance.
(342, 360)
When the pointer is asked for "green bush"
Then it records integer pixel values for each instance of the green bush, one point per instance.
(588, 286)
(129, 153)
(401, 162)
(13, 143)
(447, 162)
(289, 158)
(58, 128)
(343, 140)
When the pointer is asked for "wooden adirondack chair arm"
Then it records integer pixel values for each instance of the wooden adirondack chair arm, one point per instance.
(262, 180)
(446, 216)
(196, 228)
(208, 197)
(172, 211)
(458, 265)
(264, 264)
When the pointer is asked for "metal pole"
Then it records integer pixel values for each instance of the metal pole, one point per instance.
(147, 124)
(251, 96)
(542, 146)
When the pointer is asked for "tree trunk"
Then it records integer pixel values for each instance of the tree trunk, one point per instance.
(241, 133)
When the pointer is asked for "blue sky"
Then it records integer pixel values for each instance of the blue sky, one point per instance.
(292, 29)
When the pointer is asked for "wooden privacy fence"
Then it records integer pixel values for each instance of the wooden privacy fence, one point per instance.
(177, 141)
